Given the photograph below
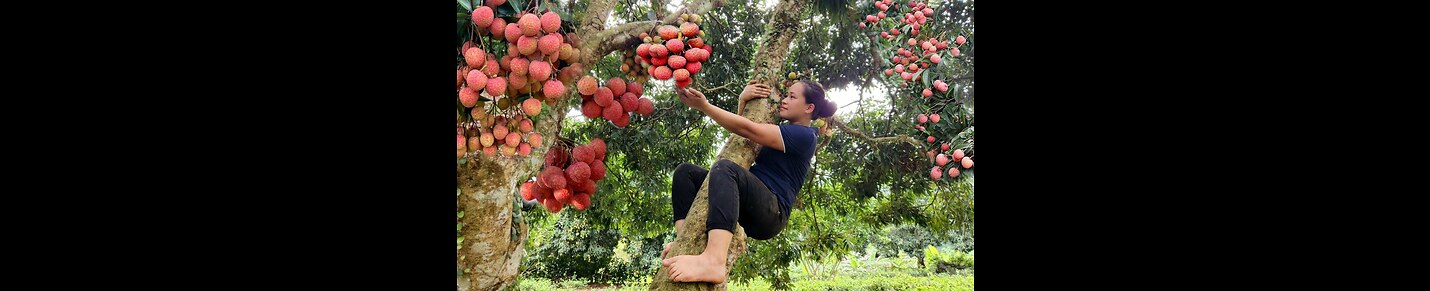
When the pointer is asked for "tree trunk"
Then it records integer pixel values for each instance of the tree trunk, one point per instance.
(782, 29)
(494, 231)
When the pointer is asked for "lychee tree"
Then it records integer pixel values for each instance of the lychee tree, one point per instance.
(747, 45)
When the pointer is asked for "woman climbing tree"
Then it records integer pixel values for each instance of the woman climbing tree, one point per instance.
(759, 198)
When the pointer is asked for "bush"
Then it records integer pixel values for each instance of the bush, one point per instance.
(635, 260)
(946, 262)
(956, 240)
(907, 238)
(575, 250)
(762, 257)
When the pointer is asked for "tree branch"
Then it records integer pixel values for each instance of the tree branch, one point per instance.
(607, 41)
(720, 87)
(876, 140)
(595, 20)
(658, 6)
(598, 43)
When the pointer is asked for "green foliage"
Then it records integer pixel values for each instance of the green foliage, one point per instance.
(636, 259)
(529, 283)
(877, 273)
(913, 239)
(892, 282)
(873, 273)
(946, 261)
(761, 256)
(957, 240)
(830, 52)
(908, 238)
(577, 250)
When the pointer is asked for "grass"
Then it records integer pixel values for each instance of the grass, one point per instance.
(855, 273)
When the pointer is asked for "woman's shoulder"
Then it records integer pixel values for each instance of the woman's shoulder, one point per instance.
(792, 126)
(798, 137)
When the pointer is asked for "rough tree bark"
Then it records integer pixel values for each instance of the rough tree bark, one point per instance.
(780, 31)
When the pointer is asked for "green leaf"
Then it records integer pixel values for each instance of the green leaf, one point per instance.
(965, 133)
(461, 239)
(926, 78)
(506, 10)
(516, 5)
(461, 213)
(459, 191)
(462, 161)
(465, 4)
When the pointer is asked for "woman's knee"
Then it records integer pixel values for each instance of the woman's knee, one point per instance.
(686, 168)
(763, 233)
(724, 164)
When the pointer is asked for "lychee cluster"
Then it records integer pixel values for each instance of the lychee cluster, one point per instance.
(911, 54)
(940, 160)
(495, 135)
(673, 52)
(906, 62)
(569, 177)
(615, 101)
(536, 51)
(917, 14)
(937, 155)
(909, 58)
(500, 93)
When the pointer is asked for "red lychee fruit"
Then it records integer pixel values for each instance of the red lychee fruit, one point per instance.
(646, 107)
(550, 22)
(590, 109)
(587, 85)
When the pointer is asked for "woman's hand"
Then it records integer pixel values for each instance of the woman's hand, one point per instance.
(753, 91)
(692, 98)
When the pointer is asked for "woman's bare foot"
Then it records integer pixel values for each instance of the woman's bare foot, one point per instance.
(666, 251)
(701, 268)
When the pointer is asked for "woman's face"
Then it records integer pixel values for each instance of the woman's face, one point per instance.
(793, 106)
